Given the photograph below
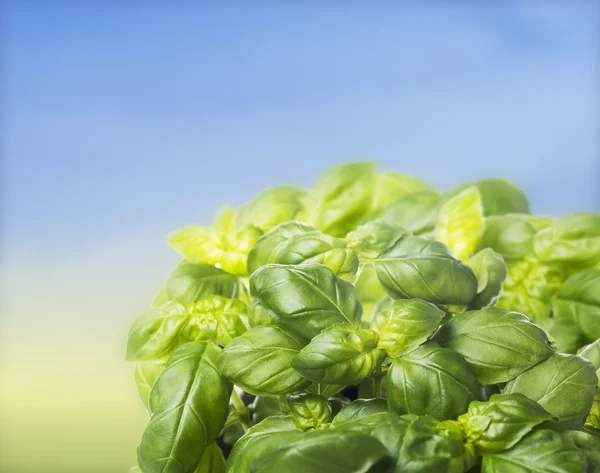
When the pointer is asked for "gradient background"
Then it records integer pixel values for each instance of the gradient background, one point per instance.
(123, 121)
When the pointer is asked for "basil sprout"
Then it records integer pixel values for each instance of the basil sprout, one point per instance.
(405, 324)
(490, 271)
(502, 421)
(578, 300)
(564, 385)
(540, 450)
(298, 243)
(432, 380)
(419, 268)
(188, 406)
(309, 410)
(259, 361)
(497, 344)
(306, 298)
(460, 223)
(341, 354)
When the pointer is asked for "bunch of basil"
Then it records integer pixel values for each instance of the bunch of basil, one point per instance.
(372, 324)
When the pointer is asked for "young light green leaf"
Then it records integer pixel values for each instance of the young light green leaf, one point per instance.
(341, 354)
(155, 333)
(460, 224)
(578, 300)
(529, 288)
(564, 385)
(572, 239)
(510, 235)
(307, 298)
(374, 238)
(416, 212)
(404, 324)
(297, 243)
(593, 417)
(224, 221)
(500, 423)
(190, 282)
(390, 186)
(146, 373)
(540, 451)
(424, 269)
(259, 361)
(343, 197)
(497, 344)
(359, 409)
(228, 251)
(271, 207)
(309, 411)
(432, 380)
(189, 406)
(490, 271)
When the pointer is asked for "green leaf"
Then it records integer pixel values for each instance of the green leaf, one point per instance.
(490, 271)
(266, 406)
(271, 207)
(359, 409)
(563, 334)
(224, 221)
(510, 235)
(307, 298)
(405, 324)
(501, 422)
(225, 250)
(309, 411)
(564, 385)
(298, 243)
(341, 354)
(529, 288)
(146, 373)
(259, 361)
(189, 406)
(259, 315)
(373, 238)
(460, 224)
(578, 300)
(572, 239)
(543, 451)
(593, 417)
(190, 282)
(390, 186)
(155, 333)
(215, 318)
(589, 445)
(498, 345)
(416, 212)
(432, 380)
(424, 269)
(368, 288)
(498, 195)
(343, 197)
(212, 461)
(591, 353)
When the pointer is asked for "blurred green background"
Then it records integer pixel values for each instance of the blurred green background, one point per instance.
(121, 121)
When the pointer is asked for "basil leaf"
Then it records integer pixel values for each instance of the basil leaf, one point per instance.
(564, 385)
(510, 235)
(501, 422)
(572, 239)
(298, 243)
(146, 373)
(498, 195)
(591, 353)
(593, 417)
(578, 300)
(212, 461)
(259, 315)
(190, 282)
(404, 324)
(563, 334)
(156, 333)
(498, 345)
(390, 186)
(490, 271)
(424, 269)
(373, 238)
(343, 197)
(432, 380)
(189, 406)
(309, 410)
(266, 406)
(540, 451)
(341, 354)
(416, 212)
(259, 361)
(306, 298)
(460, 223)
(589, 445)
(359, 409)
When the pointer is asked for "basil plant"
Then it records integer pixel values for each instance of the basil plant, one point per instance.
(374, 324)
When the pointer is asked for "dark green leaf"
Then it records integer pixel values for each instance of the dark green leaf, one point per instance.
(359, 409)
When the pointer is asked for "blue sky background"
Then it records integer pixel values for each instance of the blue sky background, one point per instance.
(121, 121)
